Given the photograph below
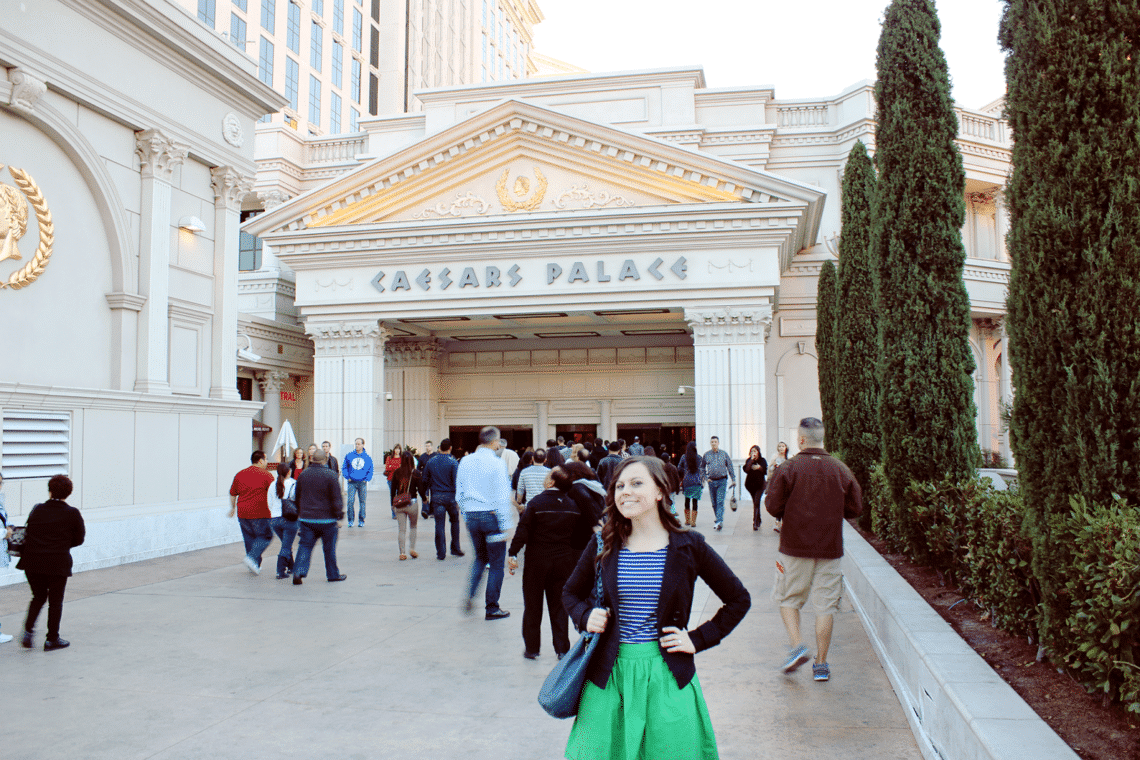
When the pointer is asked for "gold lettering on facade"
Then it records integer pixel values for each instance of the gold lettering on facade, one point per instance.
(14, 223)
(521, 186)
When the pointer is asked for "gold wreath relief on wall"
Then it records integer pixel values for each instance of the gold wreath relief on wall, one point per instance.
(14, 223)
(522, 186)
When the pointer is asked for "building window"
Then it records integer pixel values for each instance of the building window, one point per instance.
(292, 81)
(268, 15)
(265, 62)
(354, 120)
(319, 7)
(484, 75)
(249, 252)
(316, 45)
(241, 5)
(484, 14)
(357, 30)
(485, 49)
(206, 12)
(293, 29)
(374, 53)
(373, 94)
(237, 31)
(338, 17)
(337, 64)
(35, 444)
(376, 10)
(492, 27)
(334, 113)
(314, 101)
(355, 90)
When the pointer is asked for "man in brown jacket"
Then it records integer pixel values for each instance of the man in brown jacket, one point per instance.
(812, 494)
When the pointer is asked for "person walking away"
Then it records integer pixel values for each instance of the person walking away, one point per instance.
(589, 496)
(692, 471)
(484, 496)
(357, 475)
(755, 467)
(718, 469)
(509, 457)
(812, 493)
(52, 530)
(5, 534)
(532, 480)
(526, 460)
(421, 462)
(439, 475)
(780, 459)
(319, 508)
(635, 448)
(642, 697)
(609, 462)
(283, 489)
(404, 481)
(249, 498)
(547, 529)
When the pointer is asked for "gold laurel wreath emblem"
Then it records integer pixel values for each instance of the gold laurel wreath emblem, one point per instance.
(34, 268)
(510, 204)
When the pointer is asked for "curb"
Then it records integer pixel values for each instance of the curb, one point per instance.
(957, 706)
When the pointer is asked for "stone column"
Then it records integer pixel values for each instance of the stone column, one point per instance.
(1006, 389)
(1001, 224)
(348, 384)
(415, 398)
(230, 187)
(158, 158)
(606, 429)
(729, 375)
(541, 423)
(271, 384)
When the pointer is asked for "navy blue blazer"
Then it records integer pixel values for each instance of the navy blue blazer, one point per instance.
(688, 558)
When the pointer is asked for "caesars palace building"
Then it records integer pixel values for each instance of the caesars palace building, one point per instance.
(587, 255)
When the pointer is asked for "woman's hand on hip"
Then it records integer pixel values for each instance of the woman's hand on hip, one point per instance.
(598, 620)
(676, 640)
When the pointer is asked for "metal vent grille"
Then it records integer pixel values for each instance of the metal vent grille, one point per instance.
(34, 444)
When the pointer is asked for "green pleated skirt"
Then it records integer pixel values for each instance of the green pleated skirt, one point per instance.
(641, 714)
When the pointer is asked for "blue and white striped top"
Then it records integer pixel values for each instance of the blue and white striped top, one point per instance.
(639, 586)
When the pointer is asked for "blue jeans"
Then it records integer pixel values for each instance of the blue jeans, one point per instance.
(356, 487)
(717, 490)
(286, 530)
(441, 506)
(310, 531)
(481, 525)
(256, 534)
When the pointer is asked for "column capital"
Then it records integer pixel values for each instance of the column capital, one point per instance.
(230, 187)
(27, 89)
(272, 381)
(271, 199)
(414, 353)
(726, 326)
(158, 154)
(347, 338)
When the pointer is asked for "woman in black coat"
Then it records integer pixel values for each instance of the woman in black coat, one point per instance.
(755, 468)
(53, 528)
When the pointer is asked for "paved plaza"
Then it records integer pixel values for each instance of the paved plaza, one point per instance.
(191, 656)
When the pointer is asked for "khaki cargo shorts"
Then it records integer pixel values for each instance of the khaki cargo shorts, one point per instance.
(797, 577)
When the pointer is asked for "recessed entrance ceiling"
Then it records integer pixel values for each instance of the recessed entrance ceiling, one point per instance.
(636, 325)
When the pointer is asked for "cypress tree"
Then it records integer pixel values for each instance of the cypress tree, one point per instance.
(856, 329)
(1073, 78)
(825, 308)
(926, 407)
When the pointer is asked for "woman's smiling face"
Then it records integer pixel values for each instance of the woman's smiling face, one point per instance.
(635, 493)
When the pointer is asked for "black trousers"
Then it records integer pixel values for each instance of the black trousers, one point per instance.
(46, 588)
(545, 574)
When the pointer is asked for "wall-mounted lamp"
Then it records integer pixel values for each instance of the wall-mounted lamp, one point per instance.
(246, 353)
(387, 395)
(191, 224)
(681, 389)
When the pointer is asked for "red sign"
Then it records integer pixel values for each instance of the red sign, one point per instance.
(288, 399)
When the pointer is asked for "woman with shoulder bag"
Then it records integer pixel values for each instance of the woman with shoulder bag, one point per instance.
(642, 698)
(54, 528)
(403, 483)
(283, 511)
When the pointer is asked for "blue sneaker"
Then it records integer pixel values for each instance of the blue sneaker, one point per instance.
(797, 658)
(820, 671)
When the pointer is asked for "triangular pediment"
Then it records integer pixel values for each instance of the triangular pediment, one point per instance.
(519, 158)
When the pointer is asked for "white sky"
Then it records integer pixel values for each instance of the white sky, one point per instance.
(804, 48)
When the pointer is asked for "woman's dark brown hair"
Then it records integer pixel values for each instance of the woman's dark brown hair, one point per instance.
(402, 477)
(618, 527)
(284, 470)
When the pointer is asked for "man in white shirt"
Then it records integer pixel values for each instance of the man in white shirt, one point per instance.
(483, 492)
(509, 457)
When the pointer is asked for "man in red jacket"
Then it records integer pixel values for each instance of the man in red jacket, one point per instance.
(249, 498)
(812, 494)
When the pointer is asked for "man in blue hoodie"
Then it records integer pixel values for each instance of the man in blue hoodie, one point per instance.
(357, 470)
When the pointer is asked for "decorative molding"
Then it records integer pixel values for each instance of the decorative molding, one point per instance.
(416, 353)
(521, 188)
(731, 266)
(272, 381)
(232, 131)
(347, 338)
(469, 200)
(125, 301)
(230, 187)
(589, 200)
(62, 398)
(271, 199)
(27, 89)
(158, 154)
(727, 326)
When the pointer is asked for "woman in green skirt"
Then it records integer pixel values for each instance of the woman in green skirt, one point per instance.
(642, 699)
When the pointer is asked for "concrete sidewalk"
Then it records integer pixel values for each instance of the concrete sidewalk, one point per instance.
(191, 656)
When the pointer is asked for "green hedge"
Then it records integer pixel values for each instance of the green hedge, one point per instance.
(976, 537)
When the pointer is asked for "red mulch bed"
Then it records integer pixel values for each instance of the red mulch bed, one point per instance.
(1093, 730)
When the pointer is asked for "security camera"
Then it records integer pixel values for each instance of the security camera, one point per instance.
(387, 395)
(680, 390)
(247, 355)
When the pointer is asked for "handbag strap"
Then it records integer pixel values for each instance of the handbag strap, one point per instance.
(599, 591)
